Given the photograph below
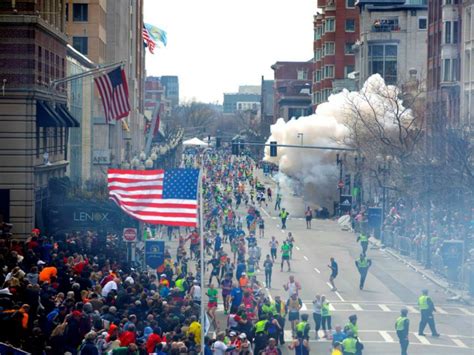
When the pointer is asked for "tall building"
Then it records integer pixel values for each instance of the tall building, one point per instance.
(110, 32)
(155, 95)
(392, 39)
(292, 89)
(266, 106)
(234, 102)
(34, 118)
(467, 63)
(171, 85)
(336, 29)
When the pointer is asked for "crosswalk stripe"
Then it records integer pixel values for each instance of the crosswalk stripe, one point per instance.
(357, 307)
(459, 342)
(440, 310)
(384, 308)
(387, 337)
(465, 311)
(303, 307)
(421, 339)
(412, 309)
(331, 307)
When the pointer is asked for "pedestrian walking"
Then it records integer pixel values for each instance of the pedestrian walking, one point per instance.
(269, 194)
(291, 240)
(283, 216)
(334, 270)
(308, 216)
(273, 243)
(285, 255)
(364, 241)
(317, 305)
(426, 305)
(402, 326)
(363, 265)
(268, 267)
(278, 201)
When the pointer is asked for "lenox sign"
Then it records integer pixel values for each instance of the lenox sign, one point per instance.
(83, 216)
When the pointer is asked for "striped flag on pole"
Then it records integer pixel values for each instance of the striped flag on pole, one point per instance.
(149, 42)
(157, 196)
(113, 90)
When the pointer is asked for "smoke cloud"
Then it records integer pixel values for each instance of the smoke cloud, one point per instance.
(313, 173)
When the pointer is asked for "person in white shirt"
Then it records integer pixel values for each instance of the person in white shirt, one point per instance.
(219, 348)
(109, 286)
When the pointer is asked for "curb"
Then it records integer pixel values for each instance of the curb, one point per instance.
(424, 274)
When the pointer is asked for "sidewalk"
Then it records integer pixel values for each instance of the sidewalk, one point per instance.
(457, 294)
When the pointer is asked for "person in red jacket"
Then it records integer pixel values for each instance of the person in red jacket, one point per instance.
(153, 340)
(128, 336)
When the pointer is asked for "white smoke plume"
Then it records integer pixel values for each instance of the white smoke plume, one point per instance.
(313, 173)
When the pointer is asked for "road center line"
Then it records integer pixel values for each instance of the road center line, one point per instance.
(263, 209)
(459, 342)
(305, 257)
(387, 337)
(465, 311)
(339, 295)
(357, 307)
(384, 308)
(422, 339)
(316, 269)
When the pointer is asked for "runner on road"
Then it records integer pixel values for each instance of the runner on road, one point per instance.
(291, 241)
(261, 227)
(273, 248)
(308, 216)
(285, 255)
(278, 201)
(268, 266)
(334, 270)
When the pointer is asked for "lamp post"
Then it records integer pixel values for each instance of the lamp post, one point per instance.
(300, 135)
(359, 160)
(383, 168)
(340, 184)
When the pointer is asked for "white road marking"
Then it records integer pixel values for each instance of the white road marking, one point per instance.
(282, 231)
(440, 310)
(357, 307)
(384, 308)
(303, 307)
(297, 248)
(266, 212)
(459, 342)
(305, 257)
(387, 337)
(339, 295)
(316, 269)
(412, 309)
(331, 307)
(465, 311)
(422, 339)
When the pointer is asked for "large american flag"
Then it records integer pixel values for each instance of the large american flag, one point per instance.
(113, 90)
(157, 196)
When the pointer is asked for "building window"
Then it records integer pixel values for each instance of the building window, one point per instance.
(81, 44)
(302, 74)
(318, 97)
(329, 48)
(328, 71)
(422, 23)
(80, 12)
(350, 25)
(348, 48)
(447, 70)
(330, 24)
(67, 12)
(383, 60)
(318, 75)
(447, 32)
(348, 69)
(350, 4)
(455, 31)
(388, 24)
(317, 33)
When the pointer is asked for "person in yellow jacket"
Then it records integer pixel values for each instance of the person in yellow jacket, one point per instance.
(195, 330)
(426, 305)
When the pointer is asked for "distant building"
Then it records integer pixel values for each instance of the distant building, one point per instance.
(392, 39)
(292, 89)
(171, 85)
(266, 106)
(336, 29)
(467, 62)
(234, 102)
(249, 89)
(443, 79)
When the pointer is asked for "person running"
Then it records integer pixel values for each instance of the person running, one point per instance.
(212, 305)
(308, 216)
(273, 243)
(292, 286)
(291, 241)
(285, 255)
(226, 285)
(426, 305)
(283, 216)
(364, 242)
(269, 194)
(402, 326)
(334, 270)
(294, 305)
(268, 266)
(261, 227)
(363, 264)
(278, 201)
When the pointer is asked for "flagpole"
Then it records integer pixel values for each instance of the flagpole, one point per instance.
(201, 234)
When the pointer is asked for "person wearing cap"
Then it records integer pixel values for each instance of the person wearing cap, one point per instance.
(271, 348)
(402, 326)
(426, 305)
(245, 346)
(219, 347)
(244, 280)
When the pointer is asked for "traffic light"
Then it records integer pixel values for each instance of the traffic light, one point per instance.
(218, 142)
(235, 148)
(348, 181)
(273, 149)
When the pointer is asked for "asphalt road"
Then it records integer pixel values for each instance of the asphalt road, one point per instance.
(390, 285)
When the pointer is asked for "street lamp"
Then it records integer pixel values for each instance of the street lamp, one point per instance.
(300, 135)
(359, 160)
(340, 184)
(383, 168)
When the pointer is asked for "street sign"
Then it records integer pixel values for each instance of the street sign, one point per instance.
(340, 184)
(130, 235)
(345, 203)
(154, 253)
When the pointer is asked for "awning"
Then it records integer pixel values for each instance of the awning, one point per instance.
(46, 116)
(64, 113)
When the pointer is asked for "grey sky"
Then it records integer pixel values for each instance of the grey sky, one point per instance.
(216, 45)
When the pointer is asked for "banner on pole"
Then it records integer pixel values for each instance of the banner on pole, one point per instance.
(154, 253)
